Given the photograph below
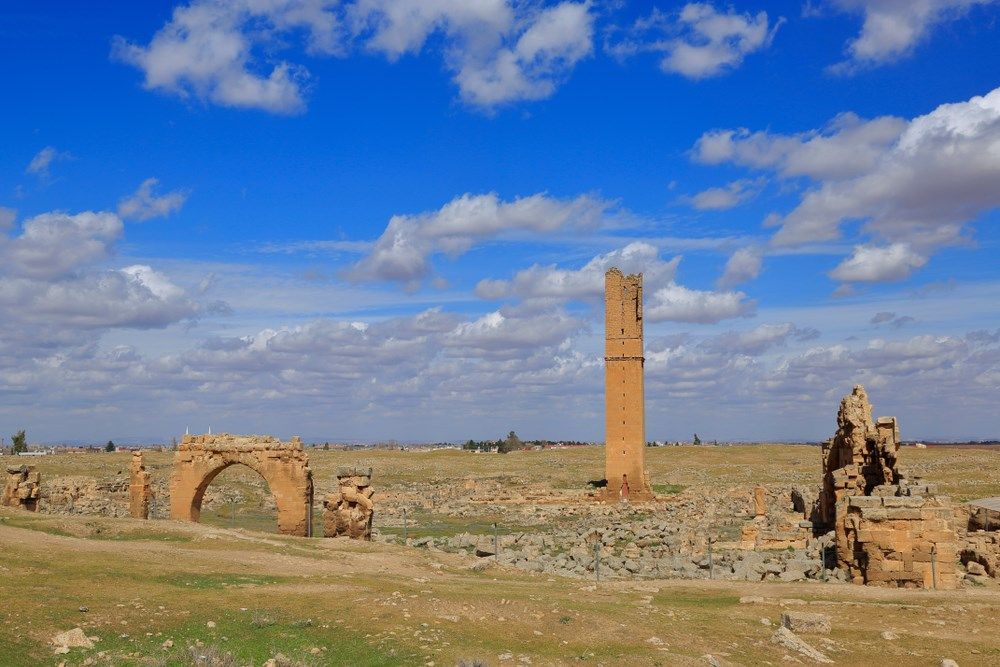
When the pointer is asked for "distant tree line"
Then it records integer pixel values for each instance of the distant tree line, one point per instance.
(513, 443)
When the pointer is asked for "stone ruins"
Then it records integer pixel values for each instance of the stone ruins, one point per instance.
(23, 488)
(140, 488)
(891, 530)
(349, 509)
(283, 465)
(624, 399)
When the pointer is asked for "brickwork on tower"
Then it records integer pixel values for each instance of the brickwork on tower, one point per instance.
(624, 399)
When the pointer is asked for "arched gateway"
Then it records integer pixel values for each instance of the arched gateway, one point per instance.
(283, 465)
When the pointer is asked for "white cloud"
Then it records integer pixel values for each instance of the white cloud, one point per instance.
(214, 50)
(53, 245)
(758, 340)
(700, 41)
(499, 51)
(143, 204)
(224, 52)
(869, 264)
(402, 253)
(892, 28)
(847, 147)
(915, 185)
(676, 303)
(42, 160)
(587, 282)
(940, 174)
(742, 265)
(727, 197)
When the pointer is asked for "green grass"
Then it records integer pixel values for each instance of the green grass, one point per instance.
(219, 581)
(33, 522)
(248, 643)
(668, 489)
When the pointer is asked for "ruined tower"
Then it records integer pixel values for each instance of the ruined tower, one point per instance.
(624, 398)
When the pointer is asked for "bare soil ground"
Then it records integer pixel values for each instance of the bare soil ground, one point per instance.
(159, 592)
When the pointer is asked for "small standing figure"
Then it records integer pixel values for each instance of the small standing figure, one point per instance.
(623, 491)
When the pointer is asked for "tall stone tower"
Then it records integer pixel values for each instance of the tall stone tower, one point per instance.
(624, 397)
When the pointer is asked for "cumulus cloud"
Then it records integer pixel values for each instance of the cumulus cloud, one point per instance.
(700, 41)
(214, 50)
(892, 29)
(224, 52)
(727, 197)
(870, 264)
(55, 293)
(144, 204)
(742, 266)
(676, 303)
(587, 282)
(43, 159)
(915, 185)
(403, 252)
(499, 51)
(53, 245)
(847, 147)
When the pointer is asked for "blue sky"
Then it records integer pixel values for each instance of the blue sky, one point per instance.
(389, 219)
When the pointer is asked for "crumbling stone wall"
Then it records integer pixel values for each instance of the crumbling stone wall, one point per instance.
(283, 465)
(891, 530)
(349, 509)
(983, 548)
(23, 488)
(862, 455)
(75, 494)
(897, 537)
(776, 522)
(140, 488)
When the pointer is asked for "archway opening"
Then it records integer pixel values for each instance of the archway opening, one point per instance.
(237, 496)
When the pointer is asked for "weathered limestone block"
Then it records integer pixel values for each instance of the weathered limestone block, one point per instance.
(140, 487)
(897, 541)
(283, 465)
(759, 501)
(891, 529)
(349, 510)
(22, 488)
(982, 548)
(861, 456)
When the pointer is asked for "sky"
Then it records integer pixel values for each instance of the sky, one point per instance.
(390, 219)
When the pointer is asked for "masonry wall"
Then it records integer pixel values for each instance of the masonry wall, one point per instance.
(897, 541)
(624, 399)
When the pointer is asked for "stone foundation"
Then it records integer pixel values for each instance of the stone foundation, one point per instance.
(140, 488)
(897, 540)
(349, 510)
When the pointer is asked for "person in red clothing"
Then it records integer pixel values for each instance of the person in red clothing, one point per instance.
(623, 491)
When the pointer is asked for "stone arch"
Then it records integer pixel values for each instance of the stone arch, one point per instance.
(283, 465)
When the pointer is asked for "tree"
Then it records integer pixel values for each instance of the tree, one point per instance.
(110, 447)
(511, 444)
(697, 440)
(18, 442)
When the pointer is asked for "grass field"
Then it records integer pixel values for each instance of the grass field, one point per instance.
(166, 593)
